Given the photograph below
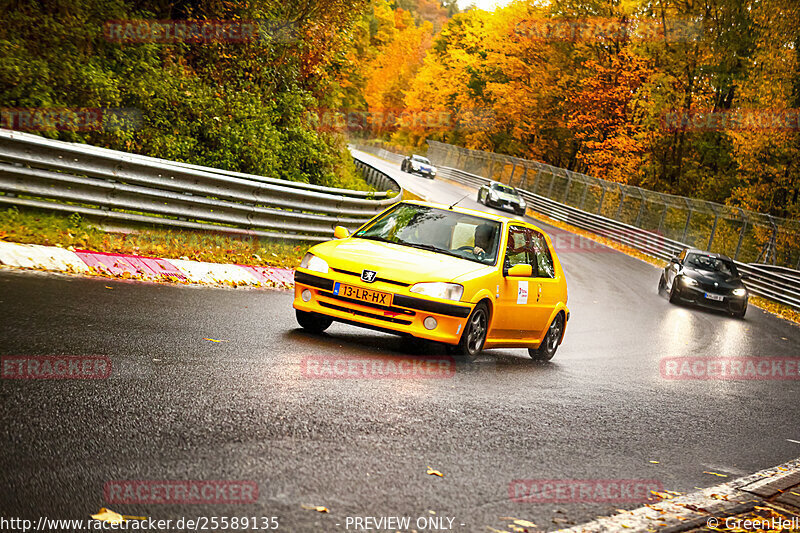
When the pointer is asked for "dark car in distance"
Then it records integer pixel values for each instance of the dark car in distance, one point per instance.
(495, 194)
(705, 279)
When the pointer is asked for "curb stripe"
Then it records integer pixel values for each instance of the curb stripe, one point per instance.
(57, 259)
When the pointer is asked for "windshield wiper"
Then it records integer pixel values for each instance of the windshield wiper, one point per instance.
(432, 248)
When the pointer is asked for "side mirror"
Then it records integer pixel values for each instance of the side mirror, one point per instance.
(520, 271)
(340, 232)
(675, 260)
(744, 277)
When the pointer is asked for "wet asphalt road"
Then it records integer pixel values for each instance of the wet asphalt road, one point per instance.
(178, 407)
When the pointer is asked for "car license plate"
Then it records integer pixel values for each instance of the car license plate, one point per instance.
(365, 295)
(715, 297)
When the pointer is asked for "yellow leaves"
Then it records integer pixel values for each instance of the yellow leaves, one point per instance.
(213, 340)
(654, 462)
(432, 472)
(317, 508)
(716, 474)
(112, 517)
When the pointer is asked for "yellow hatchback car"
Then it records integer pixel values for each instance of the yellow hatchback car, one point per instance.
(469, 279)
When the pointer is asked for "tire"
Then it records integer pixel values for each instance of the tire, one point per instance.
(662, 284)
(551, 340)
(474, 335)
(673, 294)
(740, 314)
(313, 322)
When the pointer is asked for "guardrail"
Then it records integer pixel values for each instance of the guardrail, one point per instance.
(744, 235)
(111, 185)
(779, 285)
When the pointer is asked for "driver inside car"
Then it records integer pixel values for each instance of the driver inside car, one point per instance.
(484, 239)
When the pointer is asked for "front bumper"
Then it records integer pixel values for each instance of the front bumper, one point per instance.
(697, 296)
(405, 316)
(423, 172)
(508, 206)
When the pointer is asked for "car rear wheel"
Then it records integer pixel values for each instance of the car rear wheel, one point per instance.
(313, 322)
(662, 284)
(547, 349)
(474, 336)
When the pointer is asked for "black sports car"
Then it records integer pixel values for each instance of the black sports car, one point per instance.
(706, 279)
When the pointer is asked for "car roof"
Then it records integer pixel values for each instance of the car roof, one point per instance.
(710, 254)
(475, 212)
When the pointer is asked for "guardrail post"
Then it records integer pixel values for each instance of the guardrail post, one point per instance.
(602, 197)
(661, 220)
(566, 189)
(741, 234)
(641, 210)
(713, 228)
(688, 219)
(524, 179)
(552, 182)
(621, 201)
(583, 196)
(513, 168)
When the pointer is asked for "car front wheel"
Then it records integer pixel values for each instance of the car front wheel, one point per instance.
(313, 322)
(547, 349)
(474, 335)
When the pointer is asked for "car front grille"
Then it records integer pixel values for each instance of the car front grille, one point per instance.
(358, 275)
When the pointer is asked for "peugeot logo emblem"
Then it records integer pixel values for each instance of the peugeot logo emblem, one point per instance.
(368, 275)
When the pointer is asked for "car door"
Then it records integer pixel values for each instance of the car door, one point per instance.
(518, 297)
(548, 288)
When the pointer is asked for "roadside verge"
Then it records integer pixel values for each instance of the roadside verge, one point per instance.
(135, 267)
(767, 498)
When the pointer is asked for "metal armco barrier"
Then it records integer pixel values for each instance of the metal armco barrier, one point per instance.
(779, 285)
(123, 187)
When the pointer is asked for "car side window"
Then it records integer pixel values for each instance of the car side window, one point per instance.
(520, 249)
(544, 260)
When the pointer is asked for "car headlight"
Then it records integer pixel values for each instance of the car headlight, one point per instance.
(433, 170)
(740, 292)
(312, 262)
(522, 203)
(493, 195)
(689, 282)
(438, 289)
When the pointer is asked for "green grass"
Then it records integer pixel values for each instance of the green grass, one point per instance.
(30, 226)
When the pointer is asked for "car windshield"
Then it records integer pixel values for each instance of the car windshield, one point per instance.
(711, 264)
(421, 159)
(499, 187)
(439, 230)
